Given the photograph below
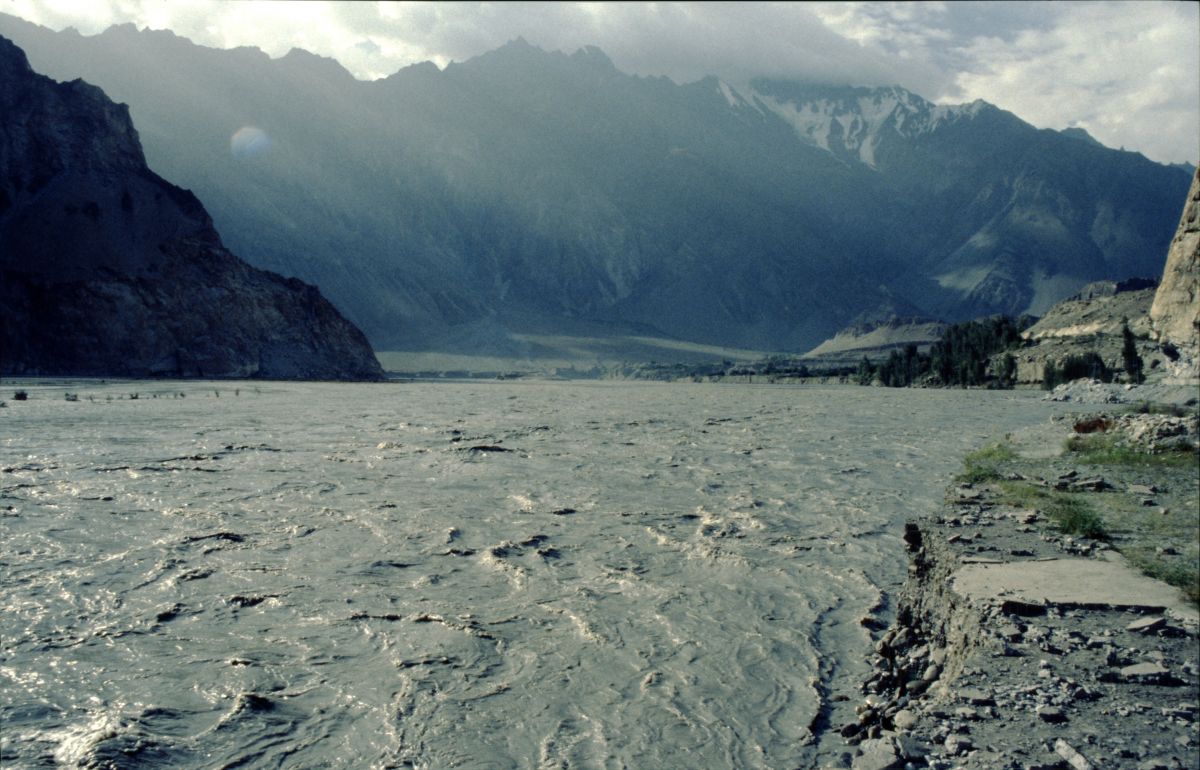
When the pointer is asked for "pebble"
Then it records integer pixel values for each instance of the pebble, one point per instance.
(1051, 714)
(876, 754)
(957, 744)
(1072, 757)
(904, 719)
(1003, 712)
(976, 697)
(1147, 670)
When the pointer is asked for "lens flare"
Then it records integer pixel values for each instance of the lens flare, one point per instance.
(248, 141)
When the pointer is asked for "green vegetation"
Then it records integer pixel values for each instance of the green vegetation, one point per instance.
(1174, 410)
(1074, 367)
(962, 357)
(1129, 355)
(1181, 573)
(1148, 512)
(983, 465)
(1105, 449)
(1070, 512)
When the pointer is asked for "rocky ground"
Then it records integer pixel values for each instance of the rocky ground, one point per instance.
(1180, 389)
(1020, 646)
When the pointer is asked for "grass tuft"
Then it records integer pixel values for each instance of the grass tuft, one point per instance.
(1069, 512)
(983, 465)
(1174, 410)
(1181, 573)
(1101, 449)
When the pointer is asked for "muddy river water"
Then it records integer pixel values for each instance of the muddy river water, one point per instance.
(434, 575)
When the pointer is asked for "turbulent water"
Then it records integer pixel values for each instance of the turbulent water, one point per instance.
(484, 575)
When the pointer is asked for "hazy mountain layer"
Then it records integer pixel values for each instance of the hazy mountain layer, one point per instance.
(536, 192)
(106, 269)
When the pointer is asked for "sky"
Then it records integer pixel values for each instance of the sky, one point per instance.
(1124, 71)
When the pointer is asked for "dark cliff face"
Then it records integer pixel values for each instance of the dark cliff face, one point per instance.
(108, 270)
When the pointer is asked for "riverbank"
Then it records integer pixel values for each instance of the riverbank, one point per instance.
(1023, 638)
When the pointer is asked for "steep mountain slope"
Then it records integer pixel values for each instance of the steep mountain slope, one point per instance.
(1012, 219)
(106, 269)
(544, 193)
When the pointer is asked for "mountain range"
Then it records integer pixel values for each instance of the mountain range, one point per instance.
(107, 269)
(526, 192)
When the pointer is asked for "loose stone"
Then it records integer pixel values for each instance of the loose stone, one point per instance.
(904, 719)
(1145, 625)
(876, 754)
(1072, 757)
(957, 744)
(1051, 714)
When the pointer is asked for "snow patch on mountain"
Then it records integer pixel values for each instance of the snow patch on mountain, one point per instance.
(853, 122)
(735, 97)
(810, 124)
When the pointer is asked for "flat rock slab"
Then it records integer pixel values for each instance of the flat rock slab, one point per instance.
(1108, 580)
(1145, 625)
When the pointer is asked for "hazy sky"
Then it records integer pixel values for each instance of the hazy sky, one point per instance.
(1125, 71)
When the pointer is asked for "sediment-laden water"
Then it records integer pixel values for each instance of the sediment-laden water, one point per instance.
(484, 575)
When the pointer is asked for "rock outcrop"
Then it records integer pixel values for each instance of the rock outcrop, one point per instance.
(106, 269)
(1102, 308)
(1175, 314)
(876, 338)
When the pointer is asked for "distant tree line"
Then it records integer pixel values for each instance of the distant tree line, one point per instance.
(971, 354)
(961, 357)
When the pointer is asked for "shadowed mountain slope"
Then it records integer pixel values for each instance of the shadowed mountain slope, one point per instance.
(108, 270)
(531, 192)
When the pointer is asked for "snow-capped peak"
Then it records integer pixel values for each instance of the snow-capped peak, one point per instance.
(849, 122)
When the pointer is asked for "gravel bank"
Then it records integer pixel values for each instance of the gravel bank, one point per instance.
(982, 672)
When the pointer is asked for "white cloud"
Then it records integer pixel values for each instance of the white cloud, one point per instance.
(1125, 71)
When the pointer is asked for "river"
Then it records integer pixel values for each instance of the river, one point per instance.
(456, 574)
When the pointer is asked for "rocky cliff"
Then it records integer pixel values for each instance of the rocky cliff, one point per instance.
(1175, 313)
(106, 269)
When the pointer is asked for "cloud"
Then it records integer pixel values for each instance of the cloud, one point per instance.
(1125, 71)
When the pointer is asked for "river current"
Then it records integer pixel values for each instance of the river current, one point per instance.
(435, 575)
